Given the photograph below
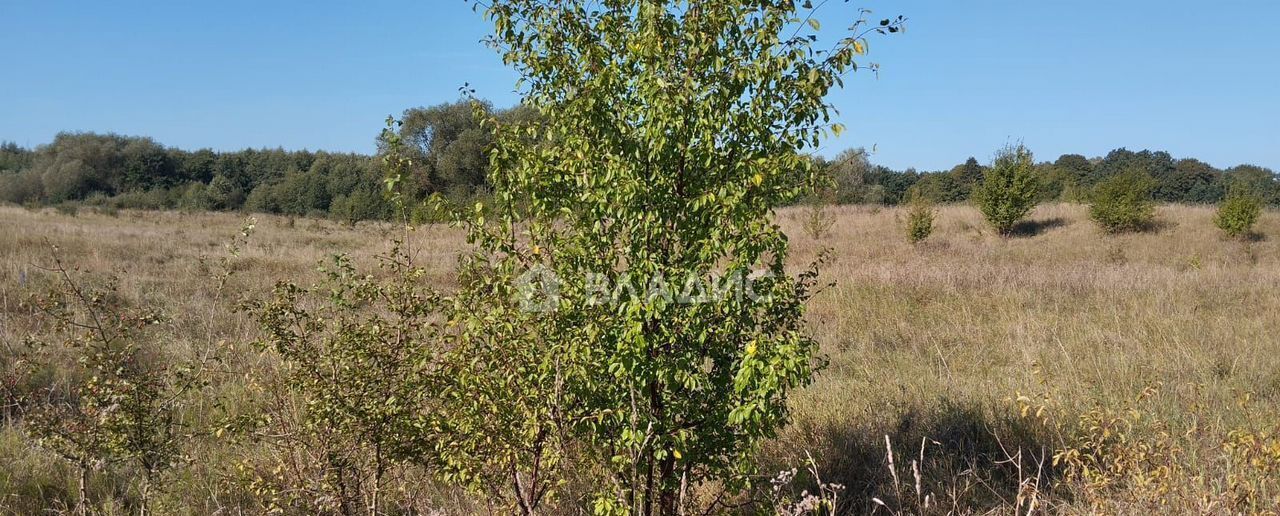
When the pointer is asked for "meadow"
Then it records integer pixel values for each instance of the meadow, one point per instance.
(1061, 370)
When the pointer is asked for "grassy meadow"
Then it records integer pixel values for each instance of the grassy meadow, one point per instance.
(1148, 363)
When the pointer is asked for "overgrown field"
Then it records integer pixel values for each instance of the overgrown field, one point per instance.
(1060, 369)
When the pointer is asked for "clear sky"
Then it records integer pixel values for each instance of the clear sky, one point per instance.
(1199, 79)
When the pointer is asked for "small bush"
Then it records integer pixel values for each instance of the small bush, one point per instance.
(1009, 190)
(818, 219)
(195, 198)
(1238, 213)
(1123, 203)
(919, 220)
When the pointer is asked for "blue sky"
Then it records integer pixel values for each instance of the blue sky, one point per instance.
(1198, 79)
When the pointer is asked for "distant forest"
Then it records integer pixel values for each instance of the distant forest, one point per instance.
(448, 146)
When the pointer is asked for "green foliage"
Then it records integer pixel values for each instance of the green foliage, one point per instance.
(21, 187)
(852, 176)
(195, 197)
(357, 386)
(937, 188)
(1010, 189)
(1070, 178)
(1123, 203)
(920, 215)
(1239, 212)
(964, 179)
(222, 194)
(122, 406)
(446, 146)
(818, 219)
(668, 135)
(361, 204)
(1256, 179)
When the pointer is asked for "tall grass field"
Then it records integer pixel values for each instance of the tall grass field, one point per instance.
(1060, 369)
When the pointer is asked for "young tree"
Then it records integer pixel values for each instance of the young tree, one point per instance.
(670, 132)
(123, 406)
(920, 216)
(1239, 212)
(1123, 202)
(351, 403)
(1009, 190)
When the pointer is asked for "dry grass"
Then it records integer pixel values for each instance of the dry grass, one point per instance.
(928, 343)
(931, 341)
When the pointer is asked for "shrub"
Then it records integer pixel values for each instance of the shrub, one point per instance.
(818, 219)
(361, 204)
(262, 199)
(365, 373)
(21, 187)
(1123, 202)
(920, 217)
(121, 407)
(1239, 212)
(1009, 190)
(195, 198)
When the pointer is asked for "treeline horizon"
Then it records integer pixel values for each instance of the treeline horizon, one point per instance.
(448, 149)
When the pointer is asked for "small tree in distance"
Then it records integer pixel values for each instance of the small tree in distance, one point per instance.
(1123, 202)
(1009, 190)
(920, 215)
(1239, 212)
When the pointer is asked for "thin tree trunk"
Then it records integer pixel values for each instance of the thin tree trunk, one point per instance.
(525, 507)
(377, 480)
(144, 493)
(666, 486)
(82, 506)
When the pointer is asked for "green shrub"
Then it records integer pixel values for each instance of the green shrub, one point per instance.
(919, 220)
(20, 188)
(1123, 202)
(1239, 212)
(1009, 190)
(818, 219)
(195, 198)
(262, 200)
(367, 369)
(119, 409)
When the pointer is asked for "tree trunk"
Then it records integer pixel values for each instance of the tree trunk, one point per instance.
(377, 480)
(667, 486)
(82, 506)
(144, 495)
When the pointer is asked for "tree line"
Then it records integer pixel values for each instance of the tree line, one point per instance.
(447, 155)
(445, 144)
(1070, 178)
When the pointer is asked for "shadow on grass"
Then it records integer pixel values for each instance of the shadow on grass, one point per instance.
(965, 459)
(1030, 228)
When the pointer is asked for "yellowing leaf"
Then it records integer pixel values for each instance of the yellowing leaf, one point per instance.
(859, 48)
(751, 349)
(757, 179)
(814, 23)
(677, 454)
